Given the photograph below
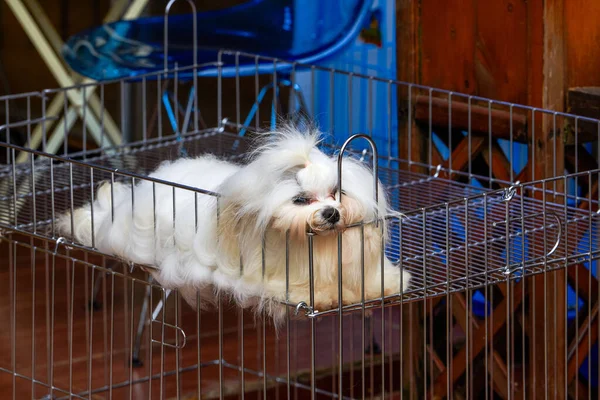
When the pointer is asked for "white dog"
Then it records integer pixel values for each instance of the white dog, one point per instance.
(236, 242)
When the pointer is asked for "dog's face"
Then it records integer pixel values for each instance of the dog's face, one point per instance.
(293, 186)
(310, 201)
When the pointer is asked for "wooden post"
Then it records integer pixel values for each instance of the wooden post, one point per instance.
(412, 143)
(548, 306)
(407, 56)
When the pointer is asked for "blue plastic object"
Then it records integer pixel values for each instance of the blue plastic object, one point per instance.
(274, 28)
(593, 358)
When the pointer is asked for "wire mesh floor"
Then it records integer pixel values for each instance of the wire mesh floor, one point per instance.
(454, 237)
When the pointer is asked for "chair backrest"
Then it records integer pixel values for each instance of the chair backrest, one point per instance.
(285, 29)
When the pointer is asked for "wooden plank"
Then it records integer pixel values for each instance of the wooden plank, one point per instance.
(500, 379)
(549, 357)
(480, 116)
(407, 47)
(582, 36)
(585, 204)
(583, 101)
(495, 362)
(584, 161)
(408, 66)
(501, 50)
(448, 32)
(436, 157)
(535, 50)
(459, 309)
(578, 350)
(459, 362)
(499, 163)
(523, 176)
(461, 155)
(552, 149)
(579, 277)
(579, 390)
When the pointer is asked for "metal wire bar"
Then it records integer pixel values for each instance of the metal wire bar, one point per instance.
(460, 234)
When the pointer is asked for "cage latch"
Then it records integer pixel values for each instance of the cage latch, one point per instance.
(510, 270)
(303, 307)
(510, 192)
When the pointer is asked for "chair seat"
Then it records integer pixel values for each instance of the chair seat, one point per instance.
(305, 31)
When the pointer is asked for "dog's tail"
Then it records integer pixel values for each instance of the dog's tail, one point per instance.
(85, 224)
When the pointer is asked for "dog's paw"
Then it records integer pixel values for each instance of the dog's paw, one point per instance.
(395, 281)
(350, 296)
(325, 300)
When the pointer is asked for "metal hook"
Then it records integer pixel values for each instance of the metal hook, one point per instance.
(509, 193)
(303, 306)
(166, 33)
(58, 242)
(375, 169)
(437, 170)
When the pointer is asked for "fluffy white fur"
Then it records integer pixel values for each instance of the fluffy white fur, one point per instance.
(223, 249)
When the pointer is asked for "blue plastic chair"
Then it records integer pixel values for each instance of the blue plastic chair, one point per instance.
(283, 29)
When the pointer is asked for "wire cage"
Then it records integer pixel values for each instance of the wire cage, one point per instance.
(503, 301)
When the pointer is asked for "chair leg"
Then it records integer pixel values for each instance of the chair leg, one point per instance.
(170, 112)
(372, 346)
(94, 304)
(188, 110)
(135, 354)
(166, 99)
(302, 110)
(142, 322)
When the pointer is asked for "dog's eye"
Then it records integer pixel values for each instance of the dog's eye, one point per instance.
(301, 200)
(334, 193)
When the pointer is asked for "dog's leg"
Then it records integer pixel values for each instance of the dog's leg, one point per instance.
(324, 297)
(351, 295)
(395, 281)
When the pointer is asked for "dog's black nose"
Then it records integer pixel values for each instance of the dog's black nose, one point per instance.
(331, 215)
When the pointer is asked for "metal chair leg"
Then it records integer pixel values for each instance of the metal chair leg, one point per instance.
(135, 354)
(143, 321)
(94, 304)
(297, 92)
(187, 113)
(373, 346)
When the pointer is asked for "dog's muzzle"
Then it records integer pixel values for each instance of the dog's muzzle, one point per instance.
(325, 221)
(330, 215)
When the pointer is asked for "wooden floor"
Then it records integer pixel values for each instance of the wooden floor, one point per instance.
(48, 321)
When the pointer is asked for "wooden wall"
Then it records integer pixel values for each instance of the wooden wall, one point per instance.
(497, 48)
(523, 51)
(582, 32)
